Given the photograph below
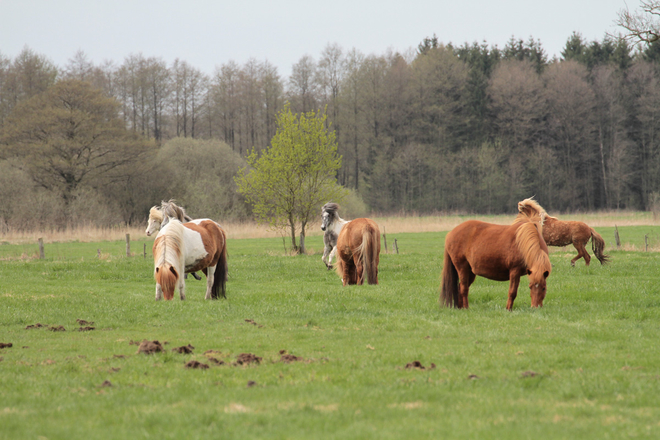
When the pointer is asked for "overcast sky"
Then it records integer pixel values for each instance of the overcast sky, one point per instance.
(208, 33)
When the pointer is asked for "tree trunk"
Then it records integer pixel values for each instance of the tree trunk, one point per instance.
(302, 249)
(293, 234)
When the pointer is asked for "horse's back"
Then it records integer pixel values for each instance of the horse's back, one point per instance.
(205, 243)
(488, 249)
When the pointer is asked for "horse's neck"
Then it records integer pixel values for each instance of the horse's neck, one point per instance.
(338, 224)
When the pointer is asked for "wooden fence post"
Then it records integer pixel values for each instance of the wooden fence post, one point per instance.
(616, 237)
(646, 243)
(128, 245)
(385, 238)
(144, 251)
(395, 247)
(41, 249)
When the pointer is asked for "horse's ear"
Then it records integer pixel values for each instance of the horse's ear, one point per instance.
(546, 274)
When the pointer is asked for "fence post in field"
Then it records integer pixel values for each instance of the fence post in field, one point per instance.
(144, 251)
(128, 245)
(646, 243)
(616, 237)
(395, 247)
(385, 238)
(41, 249)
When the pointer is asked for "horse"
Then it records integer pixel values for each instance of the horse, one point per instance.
(496, 252)
(562, 233)
(159, 216)
(332, 224)
(358, 252)
(182, 248)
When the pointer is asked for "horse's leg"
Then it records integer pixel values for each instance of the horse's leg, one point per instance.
(182, 288)
(210, 275)
(466, 278)
(159, 292)
(582, 253)
(195, 276)
(331, 256)
(514, 281)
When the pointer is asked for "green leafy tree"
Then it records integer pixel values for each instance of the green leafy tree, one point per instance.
(289, 182)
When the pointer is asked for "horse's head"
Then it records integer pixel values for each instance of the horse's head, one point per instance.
(155, 220)
(529, 207)
(328, 213)
(537, 285)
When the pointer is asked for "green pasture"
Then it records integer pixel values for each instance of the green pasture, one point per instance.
(586, 365)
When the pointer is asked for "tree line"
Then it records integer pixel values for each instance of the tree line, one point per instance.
(470, 128)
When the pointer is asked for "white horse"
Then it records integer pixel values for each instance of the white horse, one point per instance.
(332, 224)
(183, 248)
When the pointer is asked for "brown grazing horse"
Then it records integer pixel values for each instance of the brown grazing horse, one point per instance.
(358, 252)
(496, 252)
(562, 233)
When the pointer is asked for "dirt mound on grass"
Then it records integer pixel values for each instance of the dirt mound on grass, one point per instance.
(184, 349)
(83, 322)
(247, 358)
(196, 365)
(288, 358)
(6, 344)
(86, 329)
(417, 365)
(150, 347)
(37, 325)
(57, 328)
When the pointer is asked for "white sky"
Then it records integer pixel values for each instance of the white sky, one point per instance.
(208, 33)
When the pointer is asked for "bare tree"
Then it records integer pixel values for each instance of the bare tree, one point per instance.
(641, 26)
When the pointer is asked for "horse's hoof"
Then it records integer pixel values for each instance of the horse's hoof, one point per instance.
(197, 277)
(329, 266)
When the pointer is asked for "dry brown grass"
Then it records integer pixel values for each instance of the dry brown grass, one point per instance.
(389, 225)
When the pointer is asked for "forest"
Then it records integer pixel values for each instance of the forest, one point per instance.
(467, 128)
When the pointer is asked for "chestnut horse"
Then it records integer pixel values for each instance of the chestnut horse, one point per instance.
(496, 252)
(188, 247)
(358, 252)
(562, 233)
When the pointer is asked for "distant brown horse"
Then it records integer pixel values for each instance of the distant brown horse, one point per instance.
(358, 252)
(562, 233)
(496, 252)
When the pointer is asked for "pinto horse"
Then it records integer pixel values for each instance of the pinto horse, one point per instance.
(496, 252)
(182, 248)
(332, 225)
(562, 233)
(159, 216)
(358, 252)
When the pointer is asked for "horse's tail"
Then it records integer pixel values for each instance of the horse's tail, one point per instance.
(339, 268)
(167, 276)
(221, 272)
(449, 293)
(598, 246)
(370, 249)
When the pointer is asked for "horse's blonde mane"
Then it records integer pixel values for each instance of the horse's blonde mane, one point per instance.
(168, 245)
(532, 205)
(155, 214)
(528, 239)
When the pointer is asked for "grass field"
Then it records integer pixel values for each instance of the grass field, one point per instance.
(586, 365)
